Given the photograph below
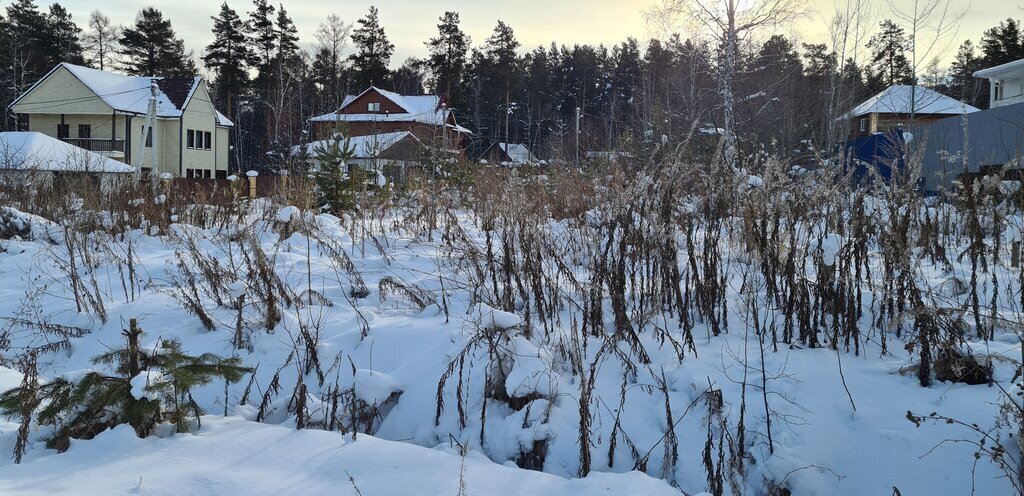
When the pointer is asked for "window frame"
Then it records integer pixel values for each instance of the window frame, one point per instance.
(190, 139)
(207, 140)
(63, 131)
(87, 134)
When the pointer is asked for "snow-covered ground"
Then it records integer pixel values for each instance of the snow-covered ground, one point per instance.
(233, 456)
(384, 346)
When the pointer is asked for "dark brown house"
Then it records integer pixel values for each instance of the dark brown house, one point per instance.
(376, 111)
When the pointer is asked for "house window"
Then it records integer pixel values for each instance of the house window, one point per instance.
(22, 122)
(199, 140)
(63, 131)
(207, 142)
(373, 107)
(998, 90)
(190, 173)
(84, 131)
(207, 174)
(191, 139)
(221, 174)
(149, 136)
(863, 125)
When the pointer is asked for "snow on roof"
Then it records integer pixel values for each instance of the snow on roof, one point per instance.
(896, 100)
(1017, 66)
(131, 93)
(37, 151)
(426, 109)
(518, 152)
(368, 146)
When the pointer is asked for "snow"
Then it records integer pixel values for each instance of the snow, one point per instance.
(373, 387)
(896, 99)
(288, 214)
(487, 316)
(821, 445)
(251, 173)
(32, 151)
(231, 456)
(141, 381)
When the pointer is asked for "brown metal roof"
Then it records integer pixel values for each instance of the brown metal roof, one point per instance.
(177, 88)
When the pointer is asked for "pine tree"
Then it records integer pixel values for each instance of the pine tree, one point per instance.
(100, 42)
(1002, 44)
(143, 387)
(63, 37)
(962, 83)
(334, 186)
(287, 36)
(888, 54)
(26, 35)
(261, 30)
(150, 47)
(229, 56)
(370, 63)
(447, 60)
(503, 77)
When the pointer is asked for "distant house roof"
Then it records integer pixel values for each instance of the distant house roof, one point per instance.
(362, 146)
(517, 153)
(425, 109)
(999, 70)
(896, 99)
(130, 94)
(31, 151)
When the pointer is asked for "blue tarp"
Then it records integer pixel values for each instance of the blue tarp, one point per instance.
(878, 151)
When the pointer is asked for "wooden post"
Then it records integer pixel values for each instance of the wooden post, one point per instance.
(133, 347)
(252, 187)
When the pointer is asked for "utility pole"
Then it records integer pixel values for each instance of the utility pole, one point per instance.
(147, 129)
(577, 136)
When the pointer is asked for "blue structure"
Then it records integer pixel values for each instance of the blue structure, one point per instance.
(879, 152)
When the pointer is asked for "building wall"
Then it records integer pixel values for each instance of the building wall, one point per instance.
(881, 123)
(200, 116)
(223, 144)
(361, 104)
(63, 87)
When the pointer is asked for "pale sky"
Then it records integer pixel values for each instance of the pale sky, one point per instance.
(409, 23)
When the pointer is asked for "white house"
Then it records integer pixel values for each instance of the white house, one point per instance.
(1006, 83)
(105, 113)
(28, 158)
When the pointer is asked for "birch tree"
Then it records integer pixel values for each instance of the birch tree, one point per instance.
(729, 22)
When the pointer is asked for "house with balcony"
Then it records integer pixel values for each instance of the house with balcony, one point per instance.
(980, 143)
(1005, 82)
(106, 113)
(377, 111)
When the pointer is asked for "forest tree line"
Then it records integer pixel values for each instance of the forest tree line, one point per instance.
(265, 82)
